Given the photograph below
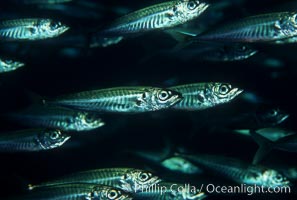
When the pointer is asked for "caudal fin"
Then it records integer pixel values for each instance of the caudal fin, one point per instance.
(265, 146)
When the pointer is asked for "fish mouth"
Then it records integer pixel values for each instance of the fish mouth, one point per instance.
(63, 29)
(176, 98)
(284, 117)
(99, 123)
(235, 92)
(66, 138)
(202, 7)
(155, 180)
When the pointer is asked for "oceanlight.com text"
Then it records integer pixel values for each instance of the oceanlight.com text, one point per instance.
(213, 189)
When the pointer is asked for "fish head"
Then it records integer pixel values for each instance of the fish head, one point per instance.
(82, 121)
(86, 121)
(272, 178)
(180, 164)
(49, 28)
(50, 139)
(10, 64)
(108, 193)
(165, 98)
(240, 52)
(287, 27)
(158, 98)
(187, 10)
(272, 116)
(219, 93)
(137, 180)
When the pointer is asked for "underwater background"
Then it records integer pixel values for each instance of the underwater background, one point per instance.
(60, 66)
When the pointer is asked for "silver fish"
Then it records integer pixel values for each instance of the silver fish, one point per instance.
(57, 117)
(217, 53)
(228, 53)
(9, 65)
(30, 29)
(199, 96)
(160, 16)
(238, 171)
(104, 42)
(127, 179)
(78, 192)
(121, 99)
(171, 191)
(179, 164)
(32, 140)
(272, 27)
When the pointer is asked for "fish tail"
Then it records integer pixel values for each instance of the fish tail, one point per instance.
(265, 146)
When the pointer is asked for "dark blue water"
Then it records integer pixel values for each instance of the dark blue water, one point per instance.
(55, 68)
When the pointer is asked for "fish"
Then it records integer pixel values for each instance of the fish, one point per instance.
(260, 118)
(288, 143)
(271, 117)
(217, 53)
(272, 134)
(238, 171)
(200, 96)
(30, 29)
(181, 165)
(229, 53)
(121, 99)
(32, 140)
(160, 16)
(104, 42)
(127, 179)
(61, 118)
(171, 191)
(163, 159)
(7, 65)
(77, 192)
(271, 28)
(288, 170)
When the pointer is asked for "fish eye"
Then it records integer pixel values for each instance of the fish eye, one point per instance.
(54, 25)
(144, 95)
(273, 112)
(192, 5)
(163, 95)
(243, 48)
(112, 194)
(89, 118)
(143, 176)
(54, 135)
(224, 89)
(279, 178)
(174, 9)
